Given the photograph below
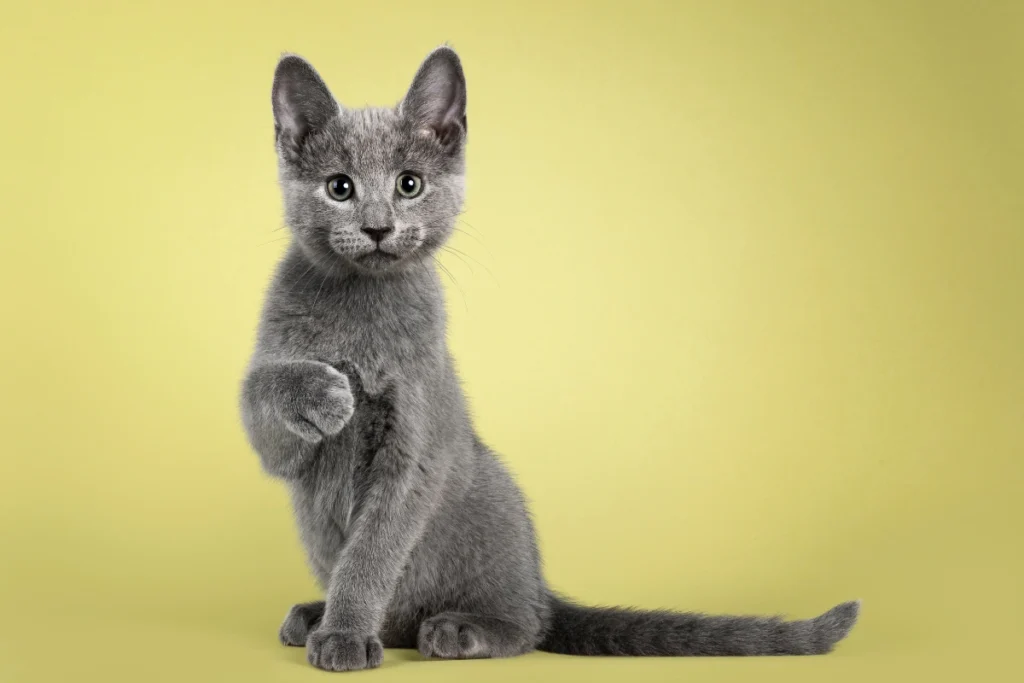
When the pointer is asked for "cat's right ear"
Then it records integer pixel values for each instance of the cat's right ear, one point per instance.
(302, 104)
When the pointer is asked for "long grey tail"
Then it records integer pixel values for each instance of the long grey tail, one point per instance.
(578, 630)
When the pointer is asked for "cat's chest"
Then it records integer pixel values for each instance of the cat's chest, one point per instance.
(379, 336)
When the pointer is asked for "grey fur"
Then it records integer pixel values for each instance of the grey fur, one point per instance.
(414, 528)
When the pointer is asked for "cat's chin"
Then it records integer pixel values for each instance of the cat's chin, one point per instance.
(379, 262)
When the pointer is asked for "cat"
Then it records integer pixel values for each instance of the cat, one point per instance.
(414, 528)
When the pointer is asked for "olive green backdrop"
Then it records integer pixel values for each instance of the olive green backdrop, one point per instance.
(739, 299)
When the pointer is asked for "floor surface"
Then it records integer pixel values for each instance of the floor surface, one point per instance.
(38, 647)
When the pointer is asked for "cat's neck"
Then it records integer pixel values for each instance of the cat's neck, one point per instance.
(414, 290)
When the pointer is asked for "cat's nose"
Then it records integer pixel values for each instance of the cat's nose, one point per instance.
(378, 234)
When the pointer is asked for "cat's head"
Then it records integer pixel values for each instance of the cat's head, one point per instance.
(371, 190)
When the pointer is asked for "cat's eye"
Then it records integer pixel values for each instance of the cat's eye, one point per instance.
(341, 188)
(409, 185)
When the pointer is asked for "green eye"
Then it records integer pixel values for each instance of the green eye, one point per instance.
(409, 185)
(341, 188)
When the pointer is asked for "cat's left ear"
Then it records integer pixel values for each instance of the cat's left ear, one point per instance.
(436, 101)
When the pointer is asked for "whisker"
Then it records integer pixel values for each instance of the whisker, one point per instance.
(305, 276)
(456, 255)
(480, 263)
(433, 282)
(471, 235)
(290, 271)
(454, 281)
(463, 220)
(317, 297)
(278, 239)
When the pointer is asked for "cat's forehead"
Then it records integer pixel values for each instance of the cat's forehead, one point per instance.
(372, 141)
(371, 133)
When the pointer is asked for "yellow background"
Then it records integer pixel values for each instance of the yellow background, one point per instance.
(741, 303)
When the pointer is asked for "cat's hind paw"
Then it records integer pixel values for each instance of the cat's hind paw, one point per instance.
(301, 620)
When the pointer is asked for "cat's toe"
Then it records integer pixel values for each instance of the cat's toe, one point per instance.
(449, 638)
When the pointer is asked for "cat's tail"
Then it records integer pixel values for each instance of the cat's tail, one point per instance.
(578, 630)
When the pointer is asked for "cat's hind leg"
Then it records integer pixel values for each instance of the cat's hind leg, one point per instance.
(300, 622)
(458, 635)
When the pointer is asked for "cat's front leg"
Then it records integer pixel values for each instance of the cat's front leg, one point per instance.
(397, 503)
(289, 407)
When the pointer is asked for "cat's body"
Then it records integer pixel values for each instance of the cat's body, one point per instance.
(416, 531)
(384, 334)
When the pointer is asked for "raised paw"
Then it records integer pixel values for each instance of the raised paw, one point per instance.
(343, 650)
(314, 400)
(301, 619)
(449, 637)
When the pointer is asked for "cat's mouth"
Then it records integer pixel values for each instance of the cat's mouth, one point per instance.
(377, 259)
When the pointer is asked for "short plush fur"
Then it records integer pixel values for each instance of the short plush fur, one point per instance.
(416, 531)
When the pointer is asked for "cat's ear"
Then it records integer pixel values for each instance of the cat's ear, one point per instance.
(436, 101)
(302, 103)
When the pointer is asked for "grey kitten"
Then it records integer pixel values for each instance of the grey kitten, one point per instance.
(411, 524)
